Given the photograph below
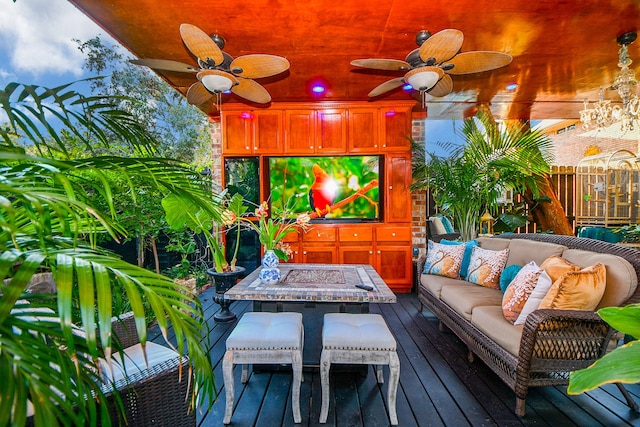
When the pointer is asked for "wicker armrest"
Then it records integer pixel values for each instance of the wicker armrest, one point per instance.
(124, 329)
(564, 335)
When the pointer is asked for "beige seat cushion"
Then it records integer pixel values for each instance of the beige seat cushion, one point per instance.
(465, 297)
(621, 280)
(348, 331)
(490, 320)
(434, 284)
(266, 331)
(134, 362)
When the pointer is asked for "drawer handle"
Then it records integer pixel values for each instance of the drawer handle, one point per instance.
(370, 252)
(393, 234)
(355, 234)
(378, 252)
(304, 252)
(391, 187)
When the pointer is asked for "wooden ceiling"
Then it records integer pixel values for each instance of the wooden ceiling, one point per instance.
(563, 51)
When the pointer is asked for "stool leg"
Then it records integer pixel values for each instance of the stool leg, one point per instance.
(394, 377)
(325, 366)
(296, 364)
(245, 373)
(227, 374)
(379, 374)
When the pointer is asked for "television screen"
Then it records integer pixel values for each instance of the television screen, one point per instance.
(341, 188)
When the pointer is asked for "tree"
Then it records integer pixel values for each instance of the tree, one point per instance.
(493, 159)
(47, 221)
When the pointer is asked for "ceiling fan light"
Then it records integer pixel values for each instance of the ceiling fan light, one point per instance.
(424, 78)
(216, 83)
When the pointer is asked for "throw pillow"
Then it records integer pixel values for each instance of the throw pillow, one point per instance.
(485, 266)
(556, 266)
(448, 227)
(468, 247)
(519, 290)
(444, 260)
(508, 274)
(577, 290)
(536, 297)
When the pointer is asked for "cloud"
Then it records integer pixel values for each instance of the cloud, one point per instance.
(37, 35)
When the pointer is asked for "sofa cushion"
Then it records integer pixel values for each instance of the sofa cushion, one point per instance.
(434, 284)
(556, 266)
(444, 260)
(577, 290)
(465, 297)
(622, 279)
(493, 244)
(519, 290)
(521, 251)
(485, 267)
(489, 319)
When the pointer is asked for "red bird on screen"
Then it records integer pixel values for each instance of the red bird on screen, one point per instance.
(323, 190)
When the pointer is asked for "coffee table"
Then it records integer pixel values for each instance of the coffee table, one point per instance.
(313, 290)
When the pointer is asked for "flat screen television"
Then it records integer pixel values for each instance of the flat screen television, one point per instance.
(341, 188)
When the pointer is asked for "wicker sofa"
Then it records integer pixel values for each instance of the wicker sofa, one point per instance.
(551, 343)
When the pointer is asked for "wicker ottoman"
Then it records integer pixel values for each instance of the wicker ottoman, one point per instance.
(358, 339)
(265, 338)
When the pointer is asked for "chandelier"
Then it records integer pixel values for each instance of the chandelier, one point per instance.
(602, 113)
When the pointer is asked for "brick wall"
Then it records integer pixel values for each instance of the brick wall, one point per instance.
(418, 198)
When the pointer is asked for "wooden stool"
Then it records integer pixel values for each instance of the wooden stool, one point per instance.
(264, 338)
(358, 339)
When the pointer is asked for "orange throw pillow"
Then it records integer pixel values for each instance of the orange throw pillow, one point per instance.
(556, 266)
(577, 290)
(518, 292)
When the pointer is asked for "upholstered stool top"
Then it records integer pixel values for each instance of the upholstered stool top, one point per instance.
(266, 331)
(346, 331)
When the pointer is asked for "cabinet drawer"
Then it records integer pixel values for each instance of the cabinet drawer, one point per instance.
(356, 234)
(393, 234)
(320, 235)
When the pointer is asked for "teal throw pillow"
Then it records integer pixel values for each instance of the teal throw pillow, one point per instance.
(467, 253)
(448, 227)
(507, 276)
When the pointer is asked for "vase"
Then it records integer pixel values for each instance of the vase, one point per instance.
(223, 282)
(270, 273)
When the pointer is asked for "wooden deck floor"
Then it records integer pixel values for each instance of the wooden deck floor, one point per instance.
(438, 386)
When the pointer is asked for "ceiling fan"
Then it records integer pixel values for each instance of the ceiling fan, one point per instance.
(428, 68)
(219, 72)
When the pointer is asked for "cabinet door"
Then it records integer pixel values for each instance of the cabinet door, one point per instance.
(268, 132)
(398, 196)
(363, 130)
(300, 131)
(356, 255)
(396, 129)
(393, 264)
(319, 254)
(331, 131)
(237, 133)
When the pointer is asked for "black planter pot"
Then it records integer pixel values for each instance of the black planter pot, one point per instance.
(223, 282)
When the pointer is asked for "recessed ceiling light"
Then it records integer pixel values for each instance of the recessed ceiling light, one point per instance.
(512, 86)
(318, 89)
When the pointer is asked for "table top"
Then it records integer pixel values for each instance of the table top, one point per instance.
(316, 282)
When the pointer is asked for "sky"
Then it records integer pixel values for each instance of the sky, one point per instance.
(37, 47)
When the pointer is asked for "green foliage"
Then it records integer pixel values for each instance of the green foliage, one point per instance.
(472, 178)
(622, 365)
(50, 219)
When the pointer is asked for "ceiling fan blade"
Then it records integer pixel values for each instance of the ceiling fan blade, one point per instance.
(382, 64)
(442, 46)
(200, 44)
(478, 61)
(442, 88)
(386, 87)
(258, 66)
(166, 64)
(252, 91)
(198, 94)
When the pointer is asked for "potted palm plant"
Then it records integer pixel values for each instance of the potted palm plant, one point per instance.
(472, 178)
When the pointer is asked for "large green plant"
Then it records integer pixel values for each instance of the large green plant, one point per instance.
(47, 221)
(622, 365)
(474, 175)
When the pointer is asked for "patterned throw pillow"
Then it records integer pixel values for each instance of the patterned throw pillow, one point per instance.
(519, 290)
(468, 247)
(535, 298)
(485, 267)
(443, 260)
(577, 290)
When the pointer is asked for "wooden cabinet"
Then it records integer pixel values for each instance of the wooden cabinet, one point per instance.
(319, 245)
(356, 244)
(393, 256)
(397, 182)
(257, 132)
(395, 129)
(315, 131)
(363, 130)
